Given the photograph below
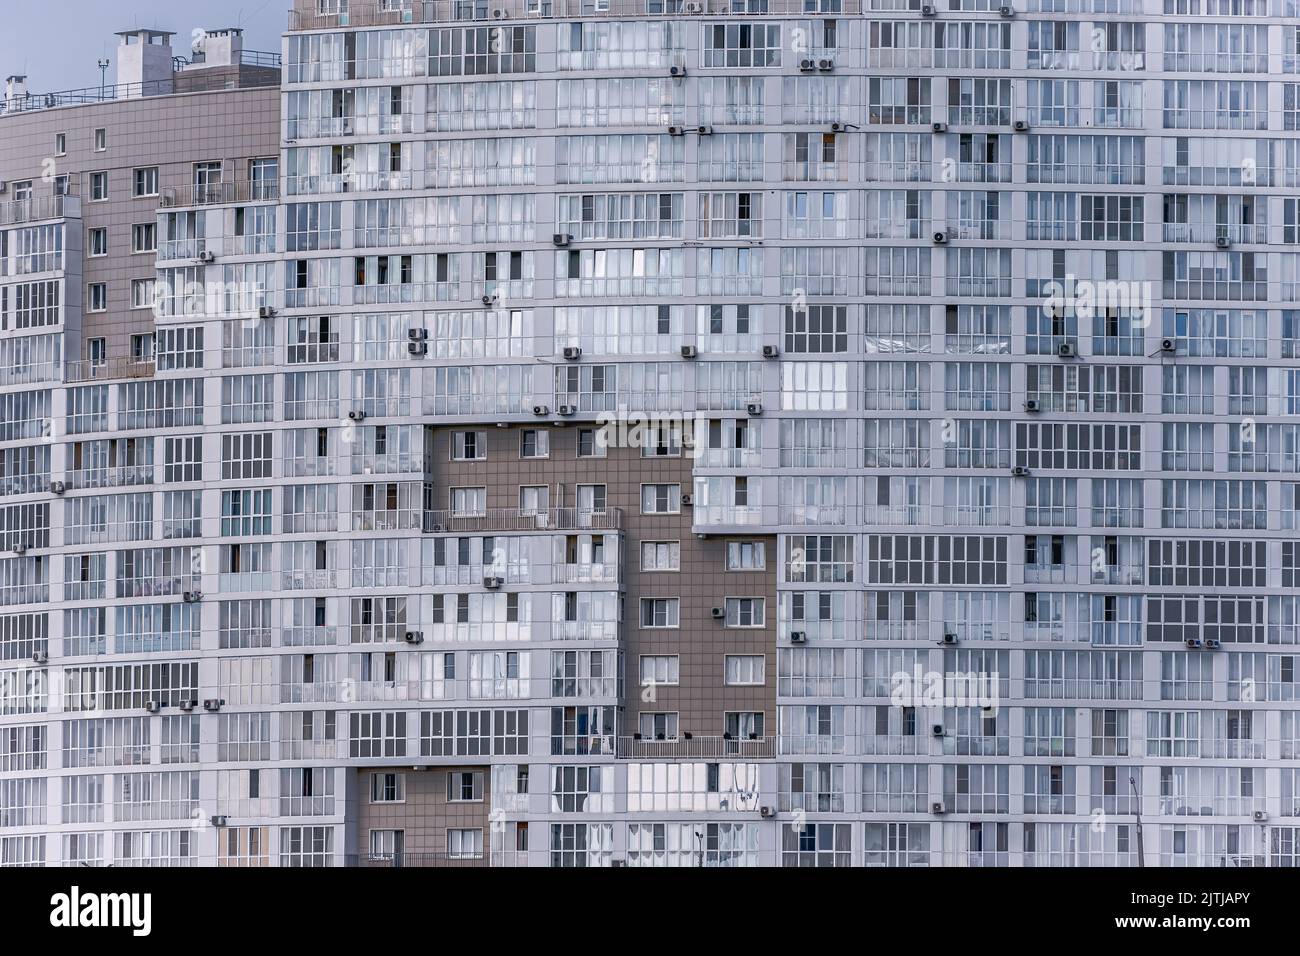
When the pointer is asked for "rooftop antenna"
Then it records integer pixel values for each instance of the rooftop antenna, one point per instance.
(103, 67)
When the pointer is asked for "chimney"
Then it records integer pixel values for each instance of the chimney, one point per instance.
(15, 90)
(220, 47)
(144, 63)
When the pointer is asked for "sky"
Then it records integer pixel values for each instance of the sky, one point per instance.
(57, 42)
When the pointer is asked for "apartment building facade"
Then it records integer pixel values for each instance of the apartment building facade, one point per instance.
(657, 432)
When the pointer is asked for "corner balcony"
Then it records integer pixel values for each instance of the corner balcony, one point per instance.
(40, 208)
(513, 519)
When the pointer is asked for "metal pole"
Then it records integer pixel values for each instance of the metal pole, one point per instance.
(103, 66)
(1142, 858)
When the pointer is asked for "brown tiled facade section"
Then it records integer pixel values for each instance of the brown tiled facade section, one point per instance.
(425, 815)
(171, 132)
(702, 697)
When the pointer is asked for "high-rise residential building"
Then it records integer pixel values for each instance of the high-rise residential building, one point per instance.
(658, 432)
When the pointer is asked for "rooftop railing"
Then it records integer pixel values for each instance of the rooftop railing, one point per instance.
(196, 82)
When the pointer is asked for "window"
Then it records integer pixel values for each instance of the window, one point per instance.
(660, 612)
(660, 669)
(535, 443)
(98, 187)
(142, 293)
(97, 351)
(60, 144)
(464, 844)
(387, 787)
(465, 786)
(144, 237)
(746, 555)
(660, 556)
(97, 297)
(97, 242)
(743, 670)
(469, 446)
(590, 444)
(101, 140)
(661, 499)
(658, 726)
(146, 181)
(745, 612)
(469, 501)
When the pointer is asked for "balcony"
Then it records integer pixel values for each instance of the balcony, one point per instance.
(220, 194)
(118, 368)
(415, 860)
(511, 519)
(39, 208)
(123, 476)
(692, 746)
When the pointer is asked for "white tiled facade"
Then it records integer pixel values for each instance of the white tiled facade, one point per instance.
(874, 235)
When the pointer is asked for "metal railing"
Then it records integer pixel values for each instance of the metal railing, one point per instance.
(512, 519)
(413, 860)
(38, 208)
(638, 747)
(213, 194)
(360, 13)
(246, 58)
(197, 82)
(87, 371)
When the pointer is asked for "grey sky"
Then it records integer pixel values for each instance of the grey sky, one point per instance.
(56, 42)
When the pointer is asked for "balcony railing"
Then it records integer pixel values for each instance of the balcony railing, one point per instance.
(509, 519)
(637, 747)
(414, 860)
(87, 371)
(38, 208)
(216, 194)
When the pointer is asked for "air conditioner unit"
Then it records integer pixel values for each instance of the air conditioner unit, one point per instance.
(562, 239)
(572, 353)
(20, 549)
(837, 127)
(541, 410)
(187, 705)
(1260, 816)
(417, 335)
(936, 730)
(1213, 643)
(718, 613)
(1168, 345)
(766, 813)
(927, 10)
(937, 807)
(693, 6)
(1223, 242)
(567, 410)
(770, 351)
(206, 256)
(488, 300)
(1007, 11)
(499, 13)
(218, 820)
(687, 500)
(705, 130)
(58, 487)
(948, 638)
(941, 237)
(357, 415)
(413, 637)
(825, 64)
(213, 704)
(677, 71)
(1019, 471)
(798, 637)
(492, 582)
(1066, 350)
(1020, 126)
(192, 597)
(40, 657)
(265, 312)
(417, 348)
(1033, 405)
(1193, 642)
(689, 351)
(676, 131)
(754, 408)
(939, 127)
(152, 706)
(807, 66)
(165, 201)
